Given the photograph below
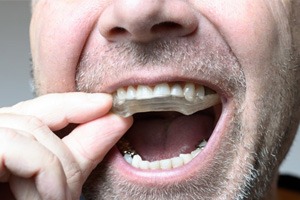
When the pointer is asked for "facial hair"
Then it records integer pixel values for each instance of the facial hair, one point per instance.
(232, 175)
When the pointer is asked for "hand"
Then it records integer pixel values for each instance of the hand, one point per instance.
(38, 164)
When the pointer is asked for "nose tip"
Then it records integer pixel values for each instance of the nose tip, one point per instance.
(146, 20)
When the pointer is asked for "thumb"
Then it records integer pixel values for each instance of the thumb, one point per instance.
(90, 142)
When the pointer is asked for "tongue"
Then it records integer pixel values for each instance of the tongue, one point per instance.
(158, 136)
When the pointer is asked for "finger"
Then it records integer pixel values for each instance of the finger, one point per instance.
(26, 158)
(90, 142)
(45, 137)
(34, 129)
(24, 188)
(18, 123)
(58, 110)
(79, 152)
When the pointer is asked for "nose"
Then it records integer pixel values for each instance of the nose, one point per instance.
(146, 20)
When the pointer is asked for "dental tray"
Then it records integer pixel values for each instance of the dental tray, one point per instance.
(171, 103)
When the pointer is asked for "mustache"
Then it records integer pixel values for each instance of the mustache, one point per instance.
(205, 59)
(160, 52)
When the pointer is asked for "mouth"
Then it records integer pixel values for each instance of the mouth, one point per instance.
(173, 132)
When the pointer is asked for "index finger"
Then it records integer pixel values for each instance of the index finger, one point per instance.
(58, 110)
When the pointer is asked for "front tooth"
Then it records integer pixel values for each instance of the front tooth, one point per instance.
(200, 92)
(165, 164)
(136, 161)
(161, 90)
(176, 91)
(144, 92)
(189, 91)
(177, 162)
(131, 93)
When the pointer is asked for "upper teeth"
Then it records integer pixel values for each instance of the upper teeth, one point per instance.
(189, 91)
(186, 99)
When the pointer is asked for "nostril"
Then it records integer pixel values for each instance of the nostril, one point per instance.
(147, 20)
(117, 31)
(166, 27)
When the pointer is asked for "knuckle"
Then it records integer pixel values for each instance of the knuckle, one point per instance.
(74, 175)
(52, 162)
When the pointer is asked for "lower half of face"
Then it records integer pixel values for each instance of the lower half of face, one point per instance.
(231, 150)
(215, 110)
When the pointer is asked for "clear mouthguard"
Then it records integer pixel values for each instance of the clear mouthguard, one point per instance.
(179, 104)
(127, 108)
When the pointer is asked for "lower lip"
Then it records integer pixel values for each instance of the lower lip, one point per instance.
(199, 165)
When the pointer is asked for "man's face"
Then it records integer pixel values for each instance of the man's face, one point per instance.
(243, 50)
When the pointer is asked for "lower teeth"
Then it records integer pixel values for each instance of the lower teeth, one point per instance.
(136, 161)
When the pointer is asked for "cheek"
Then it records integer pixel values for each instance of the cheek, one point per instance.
(248, 27)
(59, 30)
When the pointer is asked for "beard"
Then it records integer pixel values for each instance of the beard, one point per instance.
(251, 151)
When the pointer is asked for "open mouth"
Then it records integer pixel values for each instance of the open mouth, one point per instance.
(173, 123)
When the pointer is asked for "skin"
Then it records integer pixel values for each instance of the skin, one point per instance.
(78, 48)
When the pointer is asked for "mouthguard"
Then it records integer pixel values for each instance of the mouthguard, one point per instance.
(171, 103)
